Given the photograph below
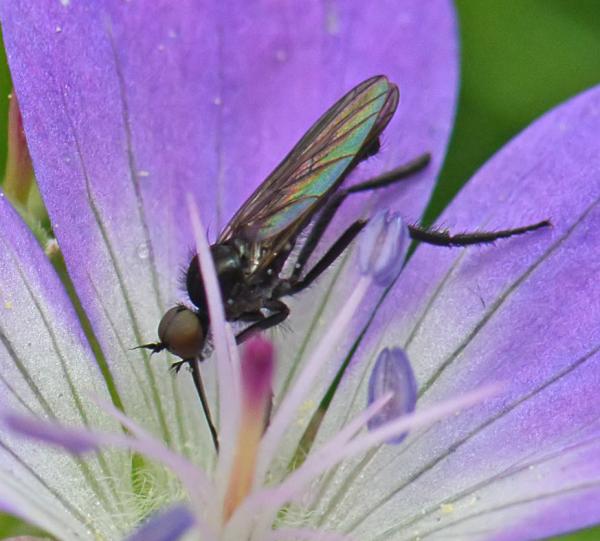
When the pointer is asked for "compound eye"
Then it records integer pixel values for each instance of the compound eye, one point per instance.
(181, 332)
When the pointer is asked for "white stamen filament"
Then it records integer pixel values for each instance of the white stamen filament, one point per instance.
(186, 471)
(234, 355)
(339, 440)
(303, 384)
(340, 447)
(253, 516)
(227, 368)
(332, 453)
(194, 479)
(228, 441)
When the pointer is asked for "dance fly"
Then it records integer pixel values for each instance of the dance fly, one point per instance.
(301, 195)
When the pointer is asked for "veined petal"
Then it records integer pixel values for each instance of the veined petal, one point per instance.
(47, 369)
(415, 44)
(126, 106)
(122, 118)
(524, 312)
(106, 114)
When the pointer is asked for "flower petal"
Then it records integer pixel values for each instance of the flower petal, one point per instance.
(524, 311)
(126, 106)
(107, 89)
(415, 44)
(47, 369)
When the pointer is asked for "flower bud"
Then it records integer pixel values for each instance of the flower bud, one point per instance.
(393, 374)
(383, 247)
(18, 176)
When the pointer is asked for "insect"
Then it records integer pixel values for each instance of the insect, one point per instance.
(302, 194)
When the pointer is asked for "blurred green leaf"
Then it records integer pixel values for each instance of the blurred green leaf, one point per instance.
(5, 89)
(519, 59)
(592, 534)
(11, 527)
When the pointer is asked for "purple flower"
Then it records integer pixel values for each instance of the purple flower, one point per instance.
(131, 107)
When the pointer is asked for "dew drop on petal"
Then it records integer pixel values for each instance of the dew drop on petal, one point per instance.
(143, 250)
(393, 374)
(404, 19)
(143, 173)
(280, 55)
(447, 508)
(218, 101)
(58, 29)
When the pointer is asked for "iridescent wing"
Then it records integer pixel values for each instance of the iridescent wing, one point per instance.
(281, 206)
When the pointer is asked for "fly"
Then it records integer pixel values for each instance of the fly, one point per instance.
(302, 193)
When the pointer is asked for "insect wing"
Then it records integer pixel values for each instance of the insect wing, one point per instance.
(316, 165)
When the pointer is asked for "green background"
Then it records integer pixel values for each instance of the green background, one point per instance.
(519, 58)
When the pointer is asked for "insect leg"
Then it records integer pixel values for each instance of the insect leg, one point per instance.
(291, 286)
(394, 175)
(251, 317)
(280, 312)
(331, 207)
(444, 238)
